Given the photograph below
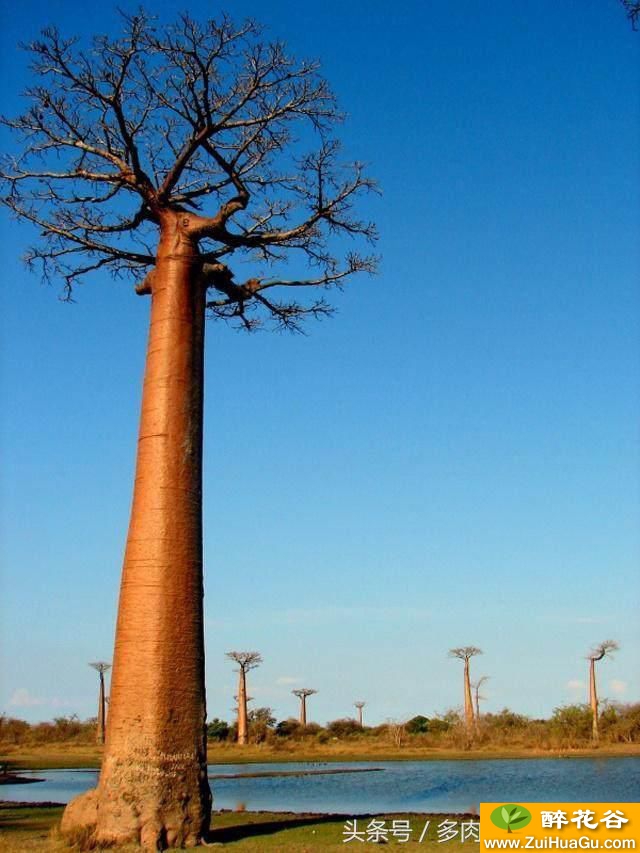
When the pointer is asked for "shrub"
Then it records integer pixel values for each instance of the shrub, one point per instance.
(345, 727)
(571, 723)
(418, 725)
(217, 730)
(288, 728)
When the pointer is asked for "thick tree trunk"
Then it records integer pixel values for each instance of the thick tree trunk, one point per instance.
(468, 702)
(593, 701)
(242, 708)
(153, 786)
(303, 711)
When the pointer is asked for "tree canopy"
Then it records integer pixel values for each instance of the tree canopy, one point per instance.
(207, 120)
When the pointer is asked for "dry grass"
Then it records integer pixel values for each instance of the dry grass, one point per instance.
(65, 755)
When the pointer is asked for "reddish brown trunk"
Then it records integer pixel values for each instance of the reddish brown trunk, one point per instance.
(593, 700)
(242, 707)
(303, 710)
(468, 702)
(153, 785)
(101, 710)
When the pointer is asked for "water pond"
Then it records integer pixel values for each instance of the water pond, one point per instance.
(388, 786)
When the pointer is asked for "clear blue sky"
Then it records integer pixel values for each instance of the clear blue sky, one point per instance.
(451, 460)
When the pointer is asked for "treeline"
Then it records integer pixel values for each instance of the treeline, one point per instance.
(61, 730)
(569, 727)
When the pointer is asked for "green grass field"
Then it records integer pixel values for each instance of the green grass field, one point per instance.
(34, 830)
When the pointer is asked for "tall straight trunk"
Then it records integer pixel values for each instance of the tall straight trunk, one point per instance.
(153, 786)
(303, 711)
(242, 707)
(468, 702)
(593, 700)
(101, 710)
(360, 717)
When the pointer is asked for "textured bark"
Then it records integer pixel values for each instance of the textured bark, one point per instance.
(593, 700)
(242, 707)
(153, 786)
(468, 702)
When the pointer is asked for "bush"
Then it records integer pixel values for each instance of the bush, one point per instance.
(418, 725)
(217, 730)
(571, 724)
(261, 722)
(12, 730)
(288, 728)
(345, 727)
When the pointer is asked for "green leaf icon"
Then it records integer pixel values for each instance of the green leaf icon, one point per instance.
(511, 817)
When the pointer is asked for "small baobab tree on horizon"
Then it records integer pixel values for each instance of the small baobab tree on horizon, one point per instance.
(359, 706)
(101, 668)
(186, 156)
(476, 687)
(597, 653)
(302, 693)
(465, 653)
(246, 662)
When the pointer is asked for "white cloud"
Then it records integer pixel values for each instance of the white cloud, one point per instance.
(21, 698)
(618, 687)
(575, 684)
(287, 679)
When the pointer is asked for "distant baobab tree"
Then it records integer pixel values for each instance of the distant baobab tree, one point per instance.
(359, 706)
(465, 653)
(602, 650)
(302, 694)
(101, 667)
(178, 155)
(246, 662)
(476, 685)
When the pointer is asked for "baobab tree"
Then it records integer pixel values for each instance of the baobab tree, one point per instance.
(101, 667)
(302, 694)
(246, 662)
(165, 154)
(476, 685)
(359, 706)
(465, 653)
(599, 652)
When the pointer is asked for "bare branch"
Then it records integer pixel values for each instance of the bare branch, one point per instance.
(246, 660)
(191, 119)
(602, 650)
(633, 11)
(464, 652)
